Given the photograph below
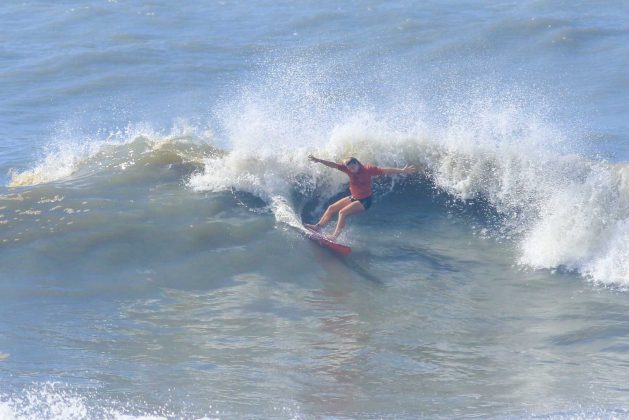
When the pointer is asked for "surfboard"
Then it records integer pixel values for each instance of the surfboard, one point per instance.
(325, 242)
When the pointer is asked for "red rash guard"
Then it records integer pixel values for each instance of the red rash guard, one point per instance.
(360, 182)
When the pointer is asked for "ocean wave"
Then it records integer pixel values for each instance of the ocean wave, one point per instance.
(135, 146)
(564, 210)
(501, 144)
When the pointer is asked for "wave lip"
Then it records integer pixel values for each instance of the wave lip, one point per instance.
(562, 209)
(135, 145)
(585, 227)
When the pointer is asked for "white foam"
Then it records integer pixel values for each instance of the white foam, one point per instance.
(564, 209)
(70, 152)
(55, 401)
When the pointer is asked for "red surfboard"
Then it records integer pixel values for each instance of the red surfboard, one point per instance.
(323, 241)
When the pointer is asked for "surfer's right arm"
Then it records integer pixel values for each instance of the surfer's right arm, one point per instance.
(332, 165)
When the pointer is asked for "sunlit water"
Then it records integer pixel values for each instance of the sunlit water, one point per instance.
(153, 161)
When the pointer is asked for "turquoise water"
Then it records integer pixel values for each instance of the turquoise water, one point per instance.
(154, 174)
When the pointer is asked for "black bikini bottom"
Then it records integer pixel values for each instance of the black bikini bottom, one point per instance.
(366, 202)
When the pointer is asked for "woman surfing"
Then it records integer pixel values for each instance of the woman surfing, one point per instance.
(360, 187)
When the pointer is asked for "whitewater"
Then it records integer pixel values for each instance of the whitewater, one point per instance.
(155, 180)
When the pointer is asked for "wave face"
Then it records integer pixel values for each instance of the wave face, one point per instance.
(135, 146)
(563, 209)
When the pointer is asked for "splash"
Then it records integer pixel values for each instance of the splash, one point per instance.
(53, 400)
(563, 209)
(497, 143)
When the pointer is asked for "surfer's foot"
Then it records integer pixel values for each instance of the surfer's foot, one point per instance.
(315, 227)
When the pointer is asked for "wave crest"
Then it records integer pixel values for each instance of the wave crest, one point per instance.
(137, 145)
(564, 209)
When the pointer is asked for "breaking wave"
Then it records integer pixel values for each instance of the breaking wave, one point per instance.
(565, 210)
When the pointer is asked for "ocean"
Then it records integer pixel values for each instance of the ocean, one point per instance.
(154, 176)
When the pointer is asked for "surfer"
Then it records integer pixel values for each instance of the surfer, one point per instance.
(360, 188)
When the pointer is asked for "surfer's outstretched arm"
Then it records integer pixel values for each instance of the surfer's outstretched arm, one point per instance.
(327, 163)
(408, 169)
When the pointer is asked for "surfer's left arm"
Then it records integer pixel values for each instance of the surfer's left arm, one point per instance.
(408, 169)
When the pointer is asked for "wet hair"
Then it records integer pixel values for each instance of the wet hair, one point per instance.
(351, 160)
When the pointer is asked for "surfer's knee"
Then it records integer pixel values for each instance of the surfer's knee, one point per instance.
(353, 208)
(333, 208)
(345, 211)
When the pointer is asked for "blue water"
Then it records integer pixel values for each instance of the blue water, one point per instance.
(154, 174)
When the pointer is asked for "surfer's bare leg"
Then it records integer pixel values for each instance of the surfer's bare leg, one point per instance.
(330, 212)
(350, 209)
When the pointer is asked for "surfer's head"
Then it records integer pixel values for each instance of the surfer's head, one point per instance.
(352, 164)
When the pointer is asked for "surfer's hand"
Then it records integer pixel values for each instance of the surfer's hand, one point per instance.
(409, 169)
(313, 159)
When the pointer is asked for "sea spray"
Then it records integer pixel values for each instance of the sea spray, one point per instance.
(53, 400)
(563, 209)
